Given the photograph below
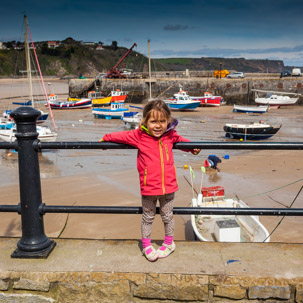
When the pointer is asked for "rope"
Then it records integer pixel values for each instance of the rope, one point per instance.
(284, 216)
(266, 192)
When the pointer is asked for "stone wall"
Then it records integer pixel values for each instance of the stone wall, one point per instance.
(234, 91)
(74, 287)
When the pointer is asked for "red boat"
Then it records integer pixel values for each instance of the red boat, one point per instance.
(209, 100)
(118, 95)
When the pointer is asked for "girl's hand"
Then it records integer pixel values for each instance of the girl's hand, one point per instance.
(196, 151)
(101, 140)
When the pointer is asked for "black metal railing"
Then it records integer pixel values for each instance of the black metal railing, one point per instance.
(35, 244)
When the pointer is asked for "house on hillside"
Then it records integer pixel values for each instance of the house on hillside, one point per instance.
(1, 45)
(99, 47)
(52, 44)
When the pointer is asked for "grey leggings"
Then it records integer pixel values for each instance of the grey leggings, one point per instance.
(166, 211)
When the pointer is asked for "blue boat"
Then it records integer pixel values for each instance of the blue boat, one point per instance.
(181, 101)
(115, 111)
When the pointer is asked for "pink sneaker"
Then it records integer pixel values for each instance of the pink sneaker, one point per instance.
(152, 256)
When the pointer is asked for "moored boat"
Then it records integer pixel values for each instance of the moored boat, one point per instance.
(252, 131)
(118, 95)
(251, 109)
(132, 119)
(181, 101)
(115, 111)
(82, 103)
(209, 100)
(44, 134)
(273, 98)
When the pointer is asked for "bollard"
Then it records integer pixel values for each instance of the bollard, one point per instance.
(33, 243)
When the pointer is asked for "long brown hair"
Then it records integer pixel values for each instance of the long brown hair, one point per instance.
(156, 105)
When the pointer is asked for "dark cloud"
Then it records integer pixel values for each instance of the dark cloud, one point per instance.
(176, 27)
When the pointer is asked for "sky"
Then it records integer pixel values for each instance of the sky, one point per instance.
(251, 29)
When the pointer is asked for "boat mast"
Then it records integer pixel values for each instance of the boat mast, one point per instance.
(149, 69)
(28, 62)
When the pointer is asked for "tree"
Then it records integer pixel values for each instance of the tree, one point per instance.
(114, 45)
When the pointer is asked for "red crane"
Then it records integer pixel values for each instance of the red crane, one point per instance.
(114, 73)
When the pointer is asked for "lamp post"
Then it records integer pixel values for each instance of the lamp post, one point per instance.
(220, 69)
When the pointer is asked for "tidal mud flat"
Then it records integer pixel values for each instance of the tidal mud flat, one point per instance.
(263, 178)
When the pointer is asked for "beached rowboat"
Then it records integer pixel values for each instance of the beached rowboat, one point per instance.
(226, 228)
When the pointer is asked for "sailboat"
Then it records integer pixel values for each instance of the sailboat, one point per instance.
(44, 133)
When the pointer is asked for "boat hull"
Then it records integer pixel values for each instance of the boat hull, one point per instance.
(251, 109)
(276, 102)
(249, 132)
(108, 113)
(208, 101)
(101, 101)
(84, 103)
(182, 106)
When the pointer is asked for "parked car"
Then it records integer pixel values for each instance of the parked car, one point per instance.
(296, 72)
(236, 75)
(285, 73)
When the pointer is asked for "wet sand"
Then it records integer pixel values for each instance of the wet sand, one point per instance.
(97, 177)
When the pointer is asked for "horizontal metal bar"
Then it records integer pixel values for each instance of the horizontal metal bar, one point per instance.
(7, 145)
(182, 145)
(177, 210)
(10, 208)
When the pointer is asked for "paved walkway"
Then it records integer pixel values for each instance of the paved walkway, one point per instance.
(253, 259)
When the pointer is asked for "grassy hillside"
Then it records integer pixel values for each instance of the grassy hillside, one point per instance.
(72, 58)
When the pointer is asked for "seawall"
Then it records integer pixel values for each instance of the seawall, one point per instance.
(234, 91)
(115, 271)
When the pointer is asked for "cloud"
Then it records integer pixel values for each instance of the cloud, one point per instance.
(176, 27)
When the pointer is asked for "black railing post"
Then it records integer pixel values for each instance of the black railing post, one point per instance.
(34, 243)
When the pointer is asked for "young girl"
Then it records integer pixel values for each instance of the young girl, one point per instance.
(154, 139)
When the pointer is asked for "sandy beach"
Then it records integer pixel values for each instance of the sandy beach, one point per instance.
(96, 177)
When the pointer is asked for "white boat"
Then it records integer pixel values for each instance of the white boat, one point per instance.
(132, 119)
(181, 101)
(44, 134)
(226, 228)
(276, 98)
(115, 111)
(251, 109)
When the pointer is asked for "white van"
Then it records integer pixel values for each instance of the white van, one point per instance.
(296, 72)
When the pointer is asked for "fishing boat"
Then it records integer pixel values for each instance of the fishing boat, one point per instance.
(252, 131)
(118, 95)
(250, 109)
(98, 99)
(225, 228)
(44, 134)
(276, 98)
(82, 103)
(115, 111)
(209, 100)
(182, 102)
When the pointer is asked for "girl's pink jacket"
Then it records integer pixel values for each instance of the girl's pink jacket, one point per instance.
(155, 160)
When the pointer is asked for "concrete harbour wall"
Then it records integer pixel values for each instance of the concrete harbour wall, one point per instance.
(234, 91)
(115, 271)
